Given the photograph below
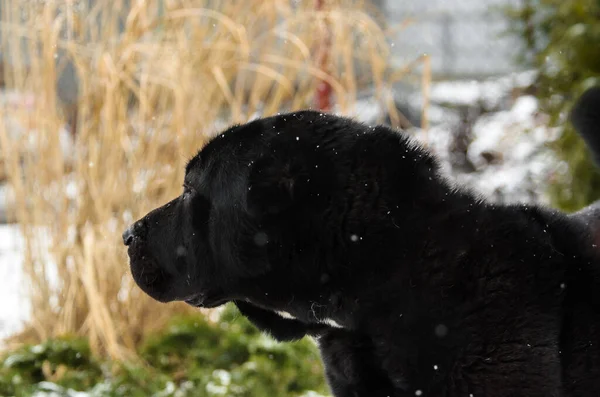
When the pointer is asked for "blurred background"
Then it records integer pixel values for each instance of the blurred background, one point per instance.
(103, 101)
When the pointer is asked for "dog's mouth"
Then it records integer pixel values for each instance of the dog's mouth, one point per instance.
(206, 300)
(147, 273)
(162, 286)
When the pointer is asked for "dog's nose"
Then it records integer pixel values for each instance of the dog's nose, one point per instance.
(131, 232)
(128, 235)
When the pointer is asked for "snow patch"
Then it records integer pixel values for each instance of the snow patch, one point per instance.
(15, 306)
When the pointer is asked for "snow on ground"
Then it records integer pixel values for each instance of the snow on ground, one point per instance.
(504, 158)
(490, 92)
(486, 139)
(524, 163)
(15, 307)
(508, 154)
(49, 389)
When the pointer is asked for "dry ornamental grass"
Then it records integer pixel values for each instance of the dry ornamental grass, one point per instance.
(155, 79)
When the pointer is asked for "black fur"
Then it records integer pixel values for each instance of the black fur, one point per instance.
(344, 225)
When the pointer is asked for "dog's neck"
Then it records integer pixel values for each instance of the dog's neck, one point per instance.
(330, 309)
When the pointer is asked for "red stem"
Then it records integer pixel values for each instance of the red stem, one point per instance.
(324, 89)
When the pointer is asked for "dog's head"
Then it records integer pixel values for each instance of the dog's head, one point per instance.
(280, 207)
(188, 248)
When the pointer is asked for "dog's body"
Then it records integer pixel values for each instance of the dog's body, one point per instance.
(318, 225)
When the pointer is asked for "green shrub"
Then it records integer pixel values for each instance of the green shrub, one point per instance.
(560, 39)
(191, 357)
(66, 359)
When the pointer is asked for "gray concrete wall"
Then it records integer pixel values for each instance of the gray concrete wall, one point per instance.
(463, 37)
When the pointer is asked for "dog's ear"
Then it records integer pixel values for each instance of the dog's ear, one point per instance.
(274, 183)
(282, 329)
(288, 174)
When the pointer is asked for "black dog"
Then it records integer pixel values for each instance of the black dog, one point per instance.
(350, 367)
(315, 224)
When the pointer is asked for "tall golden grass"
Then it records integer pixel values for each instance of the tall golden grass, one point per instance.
(150, 93)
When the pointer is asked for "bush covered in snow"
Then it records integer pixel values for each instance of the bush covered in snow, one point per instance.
(191, 357)
(561, 41)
